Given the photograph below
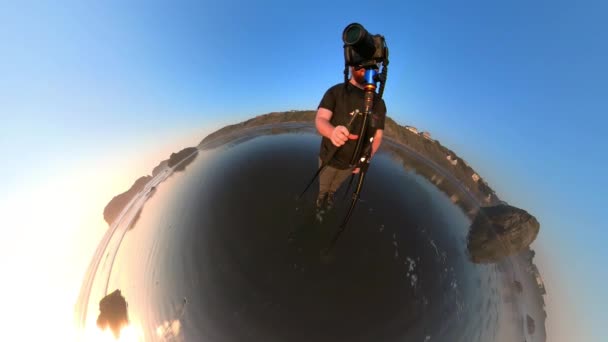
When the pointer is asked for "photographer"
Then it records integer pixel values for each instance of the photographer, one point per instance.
(339, 103)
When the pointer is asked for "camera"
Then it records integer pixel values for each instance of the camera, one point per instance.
(362, 49)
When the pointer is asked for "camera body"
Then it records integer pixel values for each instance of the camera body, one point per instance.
(362, 49)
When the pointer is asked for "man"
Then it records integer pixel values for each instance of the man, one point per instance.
(333, 114)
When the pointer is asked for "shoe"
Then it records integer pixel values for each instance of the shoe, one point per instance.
(330, 200)
(320, 200)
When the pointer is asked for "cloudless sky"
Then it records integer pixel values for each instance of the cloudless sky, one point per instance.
(519, 89)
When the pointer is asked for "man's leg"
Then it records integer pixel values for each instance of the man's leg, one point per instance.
(325, 179)
(339, 178)
(330, 180)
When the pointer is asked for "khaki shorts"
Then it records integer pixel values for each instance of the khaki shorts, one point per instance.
(331, 178)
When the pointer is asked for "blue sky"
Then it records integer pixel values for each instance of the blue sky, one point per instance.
(517, 88)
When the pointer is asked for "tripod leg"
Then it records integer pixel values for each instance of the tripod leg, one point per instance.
(350, 183)
(356, 195)
(312, 180)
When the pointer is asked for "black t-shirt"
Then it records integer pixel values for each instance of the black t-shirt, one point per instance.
(343, 103)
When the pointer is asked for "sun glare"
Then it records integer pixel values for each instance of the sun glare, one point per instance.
(128, 333)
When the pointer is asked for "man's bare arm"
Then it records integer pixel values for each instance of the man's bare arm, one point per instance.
(377, 141)
(322, 123)
(338, 135)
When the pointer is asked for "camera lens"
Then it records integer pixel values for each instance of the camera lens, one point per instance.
(357, 37)
(353, 33)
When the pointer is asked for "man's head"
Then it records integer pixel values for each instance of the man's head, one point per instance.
(358, 75)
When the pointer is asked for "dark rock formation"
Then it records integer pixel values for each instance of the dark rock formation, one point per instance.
(159, 168)
(113, 313)
(500, 231)
(175, 158)
(118, 203)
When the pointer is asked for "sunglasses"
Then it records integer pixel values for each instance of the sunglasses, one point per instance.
(360, 67)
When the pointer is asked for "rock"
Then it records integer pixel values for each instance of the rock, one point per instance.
(175, 158)
(159, 168)
(500, 231)
(113, 313)
(118, 203)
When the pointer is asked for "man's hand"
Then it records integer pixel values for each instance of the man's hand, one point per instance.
(340, 135)
(355, 171)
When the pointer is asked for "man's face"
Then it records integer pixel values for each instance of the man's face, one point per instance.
(359, 75)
